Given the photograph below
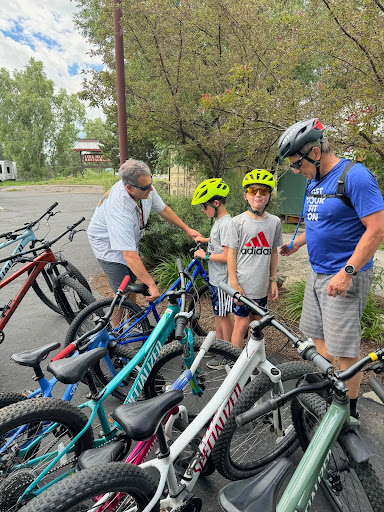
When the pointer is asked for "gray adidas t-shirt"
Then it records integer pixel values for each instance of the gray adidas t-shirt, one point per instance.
(218, 271)
(253, 241)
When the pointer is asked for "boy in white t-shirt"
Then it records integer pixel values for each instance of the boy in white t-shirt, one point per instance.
(252, 240)
(211, 195)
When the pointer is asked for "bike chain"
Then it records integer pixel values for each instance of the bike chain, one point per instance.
(194, 504)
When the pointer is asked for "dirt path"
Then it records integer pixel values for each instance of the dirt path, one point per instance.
(76, 189)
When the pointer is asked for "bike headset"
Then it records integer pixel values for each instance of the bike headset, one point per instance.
(292, 141)
(259, 177)
(210, 190)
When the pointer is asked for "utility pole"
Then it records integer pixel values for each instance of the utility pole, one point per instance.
(120, 82)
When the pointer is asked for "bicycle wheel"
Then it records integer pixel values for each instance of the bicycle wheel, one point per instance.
(43, 285)
(76, 297)
(241, 452)
(170, 365)
(47, 423)
(11, 398)
(349, 486)
(201, 326)
(131, 487)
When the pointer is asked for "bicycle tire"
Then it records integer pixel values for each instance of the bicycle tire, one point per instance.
(77, 297)
(197, 325)
(361, 489)
(33, 415)
(11, 398)
(75, 493)
(241, 452)
(85, 320)
(38, 286)
(170, 365)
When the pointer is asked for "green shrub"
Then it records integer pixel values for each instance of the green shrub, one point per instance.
(165, 273)
(372, 322)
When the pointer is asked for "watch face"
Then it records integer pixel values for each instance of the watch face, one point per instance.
(350, 269)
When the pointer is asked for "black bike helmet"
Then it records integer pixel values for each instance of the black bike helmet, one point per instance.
(298, 135)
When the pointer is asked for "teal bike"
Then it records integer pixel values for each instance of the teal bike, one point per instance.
(41, 439)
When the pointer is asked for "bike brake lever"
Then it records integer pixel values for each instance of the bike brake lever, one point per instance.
(72, 233)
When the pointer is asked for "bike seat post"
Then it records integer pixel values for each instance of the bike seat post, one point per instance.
(93, 394)
(163, 445)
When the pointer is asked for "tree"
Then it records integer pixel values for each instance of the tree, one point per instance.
(38, 128)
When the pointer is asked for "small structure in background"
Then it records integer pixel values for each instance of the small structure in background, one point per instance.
(180, 181)
(91, 155)
(291, 186)
(8, 170)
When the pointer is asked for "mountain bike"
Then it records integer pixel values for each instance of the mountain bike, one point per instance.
(121, 486)
(137, 323)
(336, 457)
(41, 439)
(42, 286)
(69, 293)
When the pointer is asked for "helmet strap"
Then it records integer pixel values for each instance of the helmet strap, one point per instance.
(216, 208)
(256, 212)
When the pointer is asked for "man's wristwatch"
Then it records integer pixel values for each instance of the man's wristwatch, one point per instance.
(350, 270)
(207, 255)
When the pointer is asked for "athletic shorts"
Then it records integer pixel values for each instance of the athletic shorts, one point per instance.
(336, 320)
(243, 310)
(116, 272)
(221, 302)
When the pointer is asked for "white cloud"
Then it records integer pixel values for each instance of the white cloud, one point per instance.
(44, 29)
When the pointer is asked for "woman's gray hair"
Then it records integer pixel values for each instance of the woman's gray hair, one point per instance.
(131, 170)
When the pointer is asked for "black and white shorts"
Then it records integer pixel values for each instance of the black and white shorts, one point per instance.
(336, 320)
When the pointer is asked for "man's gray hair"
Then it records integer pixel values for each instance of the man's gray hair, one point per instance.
(131, 170)
(324, 146)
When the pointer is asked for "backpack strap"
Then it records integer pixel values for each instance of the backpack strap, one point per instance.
(340, 189)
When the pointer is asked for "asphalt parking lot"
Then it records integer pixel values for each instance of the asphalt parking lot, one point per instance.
(33, 324)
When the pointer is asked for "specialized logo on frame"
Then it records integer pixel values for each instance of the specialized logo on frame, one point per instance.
(258, 245)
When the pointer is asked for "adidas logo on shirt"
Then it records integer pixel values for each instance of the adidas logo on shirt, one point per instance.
(258, 245)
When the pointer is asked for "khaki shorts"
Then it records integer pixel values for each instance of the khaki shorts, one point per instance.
(336, 320)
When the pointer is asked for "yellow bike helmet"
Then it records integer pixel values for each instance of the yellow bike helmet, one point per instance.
(259, 176)
(208, 189)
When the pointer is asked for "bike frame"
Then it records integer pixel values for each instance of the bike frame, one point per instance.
(37, 265)
(219, 408)
(304, 483)
(22, 241)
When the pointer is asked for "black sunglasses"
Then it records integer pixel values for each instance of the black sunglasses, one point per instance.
(297, 164)
(144, 189)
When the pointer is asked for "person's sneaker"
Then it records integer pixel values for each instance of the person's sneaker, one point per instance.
(219, 362)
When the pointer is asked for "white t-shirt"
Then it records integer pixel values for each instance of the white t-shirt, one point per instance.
(118, 223)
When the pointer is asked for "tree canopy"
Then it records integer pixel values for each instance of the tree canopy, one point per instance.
(38, 127)
(218, 81)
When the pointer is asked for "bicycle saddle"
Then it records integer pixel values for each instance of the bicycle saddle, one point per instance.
(140, 420)
(73, 369)
(257, 493)
(138, 288)
(35, 356)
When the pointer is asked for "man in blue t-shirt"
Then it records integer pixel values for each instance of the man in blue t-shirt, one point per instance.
(341, 242)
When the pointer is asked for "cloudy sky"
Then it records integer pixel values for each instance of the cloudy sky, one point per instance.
(44, 29)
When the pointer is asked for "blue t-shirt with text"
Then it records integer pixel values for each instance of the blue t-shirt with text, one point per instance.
(333, 229)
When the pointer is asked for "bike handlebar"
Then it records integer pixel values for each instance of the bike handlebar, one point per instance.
(46, 245)
(180, 319)
(29, 225)
(305, 347)
(377, 387)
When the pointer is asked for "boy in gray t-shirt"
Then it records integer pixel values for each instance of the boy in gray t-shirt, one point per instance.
(252, 239)
(211, 195)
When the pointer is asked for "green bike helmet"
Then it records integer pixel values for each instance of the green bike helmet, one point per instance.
(208, 189)
(259, 176)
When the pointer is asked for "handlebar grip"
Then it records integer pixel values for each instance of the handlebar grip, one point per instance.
(67, 351)
(252, 414)
(77, 223)
(124, 284)
(227, 289)
(52, 207)
(323, 364)
(377, 387)
(181, 322)
(179, 265)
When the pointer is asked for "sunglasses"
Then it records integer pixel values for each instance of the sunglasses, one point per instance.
(144, 189)
(204, 206)
(264, 191)
(297, 164)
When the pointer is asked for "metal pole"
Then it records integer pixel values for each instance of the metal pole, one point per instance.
(120, 82)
